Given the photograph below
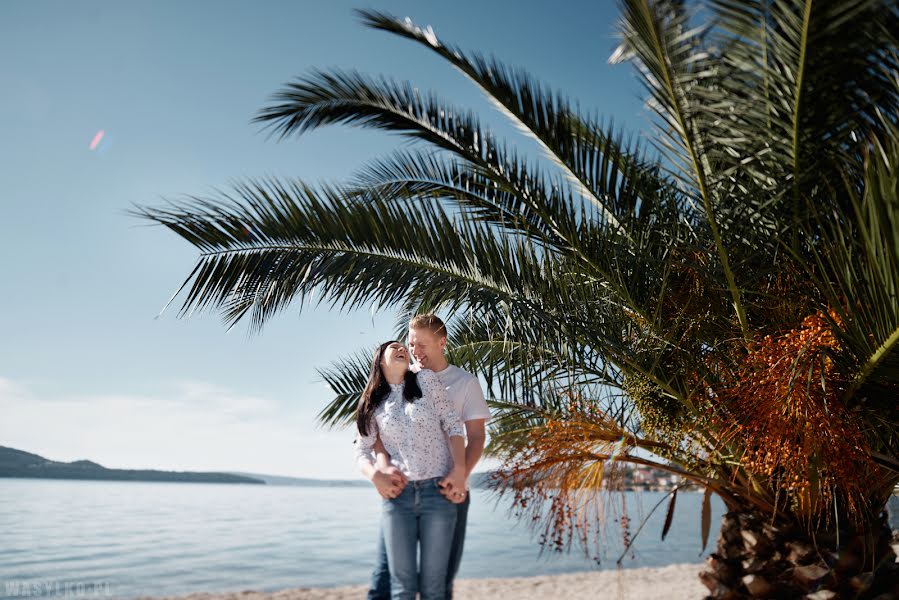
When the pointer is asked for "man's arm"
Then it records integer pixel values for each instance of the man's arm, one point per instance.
(475, 428)
(475, 431)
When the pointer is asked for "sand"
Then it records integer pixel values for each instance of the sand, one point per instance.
(674, 582)
(665, 583)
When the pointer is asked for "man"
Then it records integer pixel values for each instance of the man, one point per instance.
(427, 343)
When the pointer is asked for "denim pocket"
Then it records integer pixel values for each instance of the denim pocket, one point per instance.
(439, 491)
(438, 488)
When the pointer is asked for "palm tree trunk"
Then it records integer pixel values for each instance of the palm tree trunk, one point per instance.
(756, 558)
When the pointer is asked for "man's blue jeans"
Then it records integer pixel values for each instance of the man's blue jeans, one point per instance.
(380, 579)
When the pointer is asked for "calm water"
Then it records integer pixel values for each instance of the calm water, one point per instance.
(127, 539)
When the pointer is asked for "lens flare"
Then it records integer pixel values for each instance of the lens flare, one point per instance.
(618, 449)
(97, 138)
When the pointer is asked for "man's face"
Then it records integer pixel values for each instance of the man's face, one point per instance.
(426, 346)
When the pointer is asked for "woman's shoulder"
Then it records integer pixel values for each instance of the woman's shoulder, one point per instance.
(426, 375)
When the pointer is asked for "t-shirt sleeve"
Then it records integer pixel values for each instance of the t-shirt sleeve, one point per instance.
(475, 405)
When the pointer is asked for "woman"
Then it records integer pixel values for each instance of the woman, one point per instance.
(412, 416)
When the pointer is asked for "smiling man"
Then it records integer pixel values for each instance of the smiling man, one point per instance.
(427, 343)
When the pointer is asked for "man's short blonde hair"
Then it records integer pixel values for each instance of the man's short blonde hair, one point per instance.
(429, 321)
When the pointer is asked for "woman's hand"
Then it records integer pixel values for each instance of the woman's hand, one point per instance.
(389, 482)
(455, 486)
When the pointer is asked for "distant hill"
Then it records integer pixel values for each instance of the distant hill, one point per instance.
(304, 481)
(18, 463)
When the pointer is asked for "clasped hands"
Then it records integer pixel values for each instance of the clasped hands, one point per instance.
(390, 482)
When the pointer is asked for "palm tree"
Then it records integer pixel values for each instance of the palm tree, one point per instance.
(723, 305)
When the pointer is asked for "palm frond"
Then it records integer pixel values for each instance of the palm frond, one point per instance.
(347, 97)
(269, 243)
(544, 214)
(817, 77)
(599, 164)
(562, 454)
(347, 379)
(675, 67)
(519, 357)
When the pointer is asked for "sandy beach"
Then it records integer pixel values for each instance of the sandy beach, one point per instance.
(664, 583)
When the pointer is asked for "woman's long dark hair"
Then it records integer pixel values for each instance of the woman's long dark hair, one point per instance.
(377, 389)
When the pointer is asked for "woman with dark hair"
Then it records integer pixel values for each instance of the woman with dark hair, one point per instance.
(423, 435)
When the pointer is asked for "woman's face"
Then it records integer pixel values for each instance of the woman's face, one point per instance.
(395, 358)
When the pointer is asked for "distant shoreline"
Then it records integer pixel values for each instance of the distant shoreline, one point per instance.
(20, 464)
(25, 465)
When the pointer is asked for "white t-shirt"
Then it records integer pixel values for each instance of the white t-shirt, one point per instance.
(464, 391)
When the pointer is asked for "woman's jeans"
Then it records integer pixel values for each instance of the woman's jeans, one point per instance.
(420, 515)
(380, 579)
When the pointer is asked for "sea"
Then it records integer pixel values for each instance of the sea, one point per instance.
(110, 539)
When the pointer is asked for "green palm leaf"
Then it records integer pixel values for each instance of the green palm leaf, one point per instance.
(674, 67)
(347, 378)
(817, 76)
(598, 163)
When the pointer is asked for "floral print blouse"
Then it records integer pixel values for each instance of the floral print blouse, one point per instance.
(414, 433)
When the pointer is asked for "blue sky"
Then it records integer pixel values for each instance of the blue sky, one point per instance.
(86, 370)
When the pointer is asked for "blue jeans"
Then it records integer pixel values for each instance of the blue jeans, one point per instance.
(380, 579)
